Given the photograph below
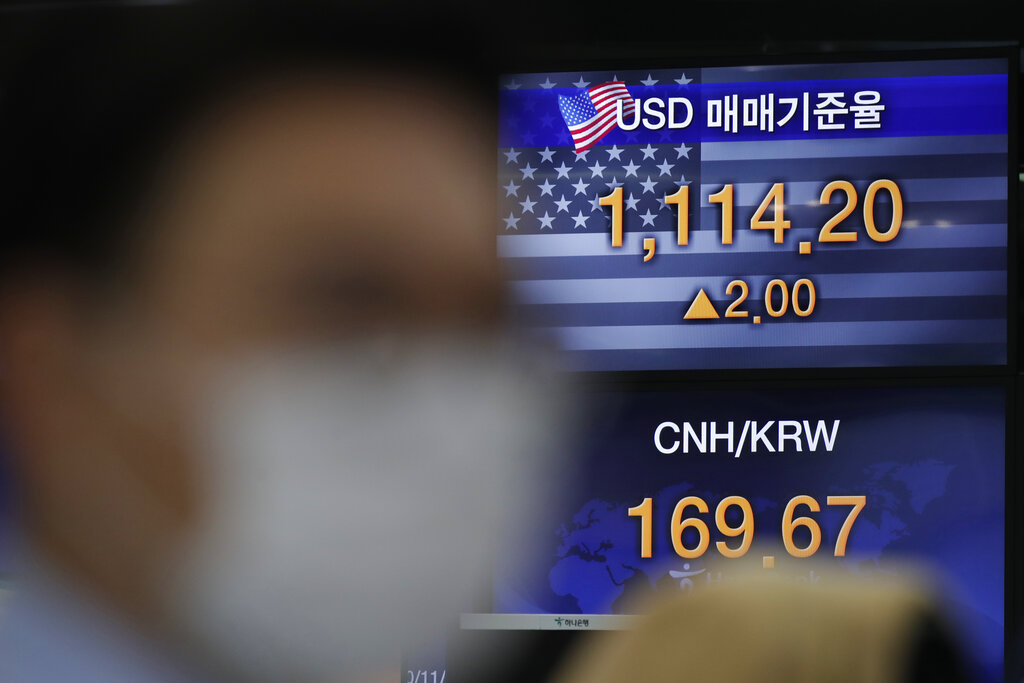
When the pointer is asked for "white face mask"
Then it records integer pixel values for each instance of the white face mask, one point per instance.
(354, 502)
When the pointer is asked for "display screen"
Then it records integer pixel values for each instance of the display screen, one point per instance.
(788, 216)
(886, 476)
(785, 216)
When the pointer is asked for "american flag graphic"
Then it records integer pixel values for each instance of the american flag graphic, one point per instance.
(591, 113)
(935, 295)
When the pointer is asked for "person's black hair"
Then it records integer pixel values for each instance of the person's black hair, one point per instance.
(91, 95)
(933, 654)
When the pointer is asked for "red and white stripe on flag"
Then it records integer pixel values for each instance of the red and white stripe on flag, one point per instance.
(605, 96)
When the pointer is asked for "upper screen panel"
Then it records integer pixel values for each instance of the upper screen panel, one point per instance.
(785, 216)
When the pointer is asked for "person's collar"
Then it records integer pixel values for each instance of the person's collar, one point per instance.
(51, 629)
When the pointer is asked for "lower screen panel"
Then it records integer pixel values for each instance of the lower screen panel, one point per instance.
(927, 464)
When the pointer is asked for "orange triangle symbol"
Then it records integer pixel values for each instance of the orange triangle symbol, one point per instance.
(701, 308)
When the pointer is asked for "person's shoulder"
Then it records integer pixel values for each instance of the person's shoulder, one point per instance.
(52, 631)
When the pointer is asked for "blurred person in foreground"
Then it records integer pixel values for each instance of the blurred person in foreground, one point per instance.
(250, 325)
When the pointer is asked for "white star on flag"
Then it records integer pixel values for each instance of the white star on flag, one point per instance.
(575, 182)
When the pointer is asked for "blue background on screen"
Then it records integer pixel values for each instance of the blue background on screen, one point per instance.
(930, 462)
